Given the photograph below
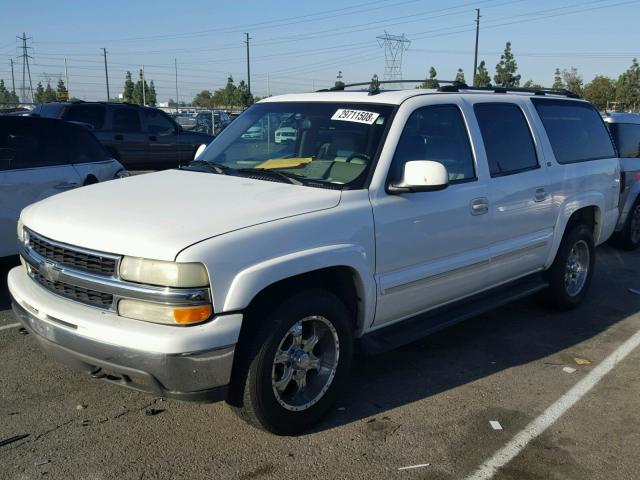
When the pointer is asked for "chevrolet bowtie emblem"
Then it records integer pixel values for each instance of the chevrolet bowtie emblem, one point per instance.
(50, 271)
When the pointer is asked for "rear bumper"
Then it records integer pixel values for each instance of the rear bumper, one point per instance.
(195, 374)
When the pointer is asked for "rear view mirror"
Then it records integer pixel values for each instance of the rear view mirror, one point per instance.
(421, 176)
(199, 151)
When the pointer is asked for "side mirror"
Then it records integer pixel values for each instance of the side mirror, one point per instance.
(421, 176)
(199, 151)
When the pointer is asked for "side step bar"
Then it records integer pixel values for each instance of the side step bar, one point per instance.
(424, 324)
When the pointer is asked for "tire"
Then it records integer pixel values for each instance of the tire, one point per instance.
(570, 274)
(287, 407)
(90, 180)
(629, 237)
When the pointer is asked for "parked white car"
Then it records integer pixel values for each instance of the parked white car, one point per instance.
(41, 157)
(285, 134)
(249, 275)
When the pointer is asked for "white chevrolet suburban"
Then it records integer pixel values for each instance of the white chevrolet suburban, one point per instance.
(250, 274)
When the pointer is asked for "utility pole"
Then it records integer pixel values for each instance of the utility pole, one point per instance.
(66, 78)
(475, 57)
(175, 62)
(248, 67)
(106, 72)
(144, 99)
(25, 67)
(13, 78)
(268, 85)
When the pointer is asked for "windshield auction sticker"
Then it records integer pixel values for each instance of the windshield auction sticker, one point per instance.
(358, 116)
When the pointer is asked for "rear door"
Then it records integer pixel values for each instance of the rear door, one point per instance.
(520, 201)
(126, 133)
(165, 148)
(33, 164)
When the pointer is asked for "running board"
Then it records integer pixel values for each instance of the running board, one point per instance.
(424, 324)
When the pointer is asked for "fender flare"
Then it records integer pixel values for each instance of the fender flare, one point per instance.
(570, 206)
(251, 281)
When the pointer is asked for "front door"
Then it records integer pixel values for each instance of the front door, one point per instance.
(127, 137)
(165, 148)
(432, 247)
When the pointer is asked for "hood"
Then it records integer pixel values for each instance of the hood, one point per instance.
(159, 214)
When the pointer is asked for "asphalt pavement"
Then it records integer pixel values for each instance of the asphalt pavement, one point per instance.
(419, 412)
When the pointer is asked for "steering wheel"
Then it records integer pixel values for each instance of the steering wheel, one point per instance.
(363, 156)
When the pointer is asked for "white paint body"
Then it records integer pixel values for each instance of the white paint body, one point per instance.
(22, 187)
(409, 253)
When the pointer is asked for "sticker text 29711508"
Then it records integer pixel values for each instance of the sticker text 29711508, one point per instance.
(358, 116)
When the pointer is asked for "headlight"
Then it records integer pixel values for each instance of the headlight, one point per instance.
(165, 274)
(20, 231)
(167, 314)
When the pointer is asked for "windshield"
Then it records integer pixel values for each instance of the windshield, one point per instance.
(321, 144)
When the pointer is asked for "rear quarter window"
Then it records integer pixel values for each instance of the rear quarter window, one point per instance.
(627, 139)
(90, 114)
(575, 129)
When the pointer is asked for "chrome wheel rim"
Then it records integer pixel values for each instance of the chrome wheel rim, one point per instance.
(635, 225)
(577, 268)
(305, 363)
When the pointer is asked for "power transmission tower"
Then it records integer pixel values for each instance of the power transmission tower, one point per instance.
(394, 46)
(25, 69)
(248, 67)
(475, 57)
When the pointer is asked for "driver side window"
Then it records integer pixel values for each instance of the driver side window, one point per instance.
(158, 123)
(436, 133)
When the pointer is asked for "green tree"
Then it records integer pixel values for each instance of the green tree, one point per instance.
(483, 79)
(226, 97)
(374, 86)
(572, 80)
(38, 96)
(129, 87)
(628, 87)
(140, 97)
(600, 91)
(7, 97)
(61, 90)
(339, 83)
(531, 84)
(506, 69)
(558, 84)
(430, 81)
(151, 96)
(49, 94)
(460, 76)
(203, 99)
(243, 96)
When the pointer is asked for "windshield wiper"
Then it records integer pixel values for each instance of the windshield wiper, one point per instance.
(289, 177)
(212, 166)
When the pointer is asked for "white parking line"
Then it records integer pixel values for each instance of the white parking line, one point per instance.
(507, 453)
(11, 325)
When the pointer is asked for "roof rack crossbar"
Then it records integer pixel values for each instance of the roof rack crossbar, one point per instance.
(340, 88)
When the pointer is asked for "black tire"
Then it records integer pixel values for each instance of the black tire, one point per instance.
(562, 293)
(260, 406)
(90, 180)
(629, 237)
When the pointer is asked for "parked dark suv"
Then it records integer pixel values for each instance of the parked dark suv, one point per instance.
(139, 137)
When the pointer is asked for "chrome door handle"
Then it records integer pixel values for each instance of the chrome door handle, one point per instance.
(65, 185)
(540, 195)
(479, 206)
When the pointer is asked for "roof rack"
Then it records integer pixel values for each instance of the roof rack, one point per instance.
(536, 91)
(341, 88)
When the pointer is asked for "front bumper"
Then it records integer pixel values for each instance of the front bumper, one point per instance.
(196, 375)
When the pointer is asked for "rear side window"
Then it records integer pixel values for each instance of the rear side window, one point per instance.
(575, 129)
(627, 138)
(84, 147)
(126, 120)
(437, 133)
(90, 114)
(507, 138)
(32, 146)
(50, 110)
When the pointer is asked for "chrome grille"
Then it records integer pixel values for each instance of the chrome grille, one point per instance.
(71, 257)
(84, 295)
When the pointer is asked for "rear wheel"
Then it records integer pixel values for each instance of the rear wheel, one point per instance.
(570, 274)
(629, 237)
(300, 360)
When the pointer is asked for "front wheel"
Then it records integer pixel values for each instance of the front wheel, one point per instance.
(570, 274)
(300, 361)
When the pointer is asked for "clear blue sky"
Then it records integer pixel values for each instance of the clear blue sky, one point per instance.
(297, 46)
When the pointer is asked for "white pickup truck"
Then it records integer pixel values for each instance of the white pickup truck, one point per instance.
(249, 275)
